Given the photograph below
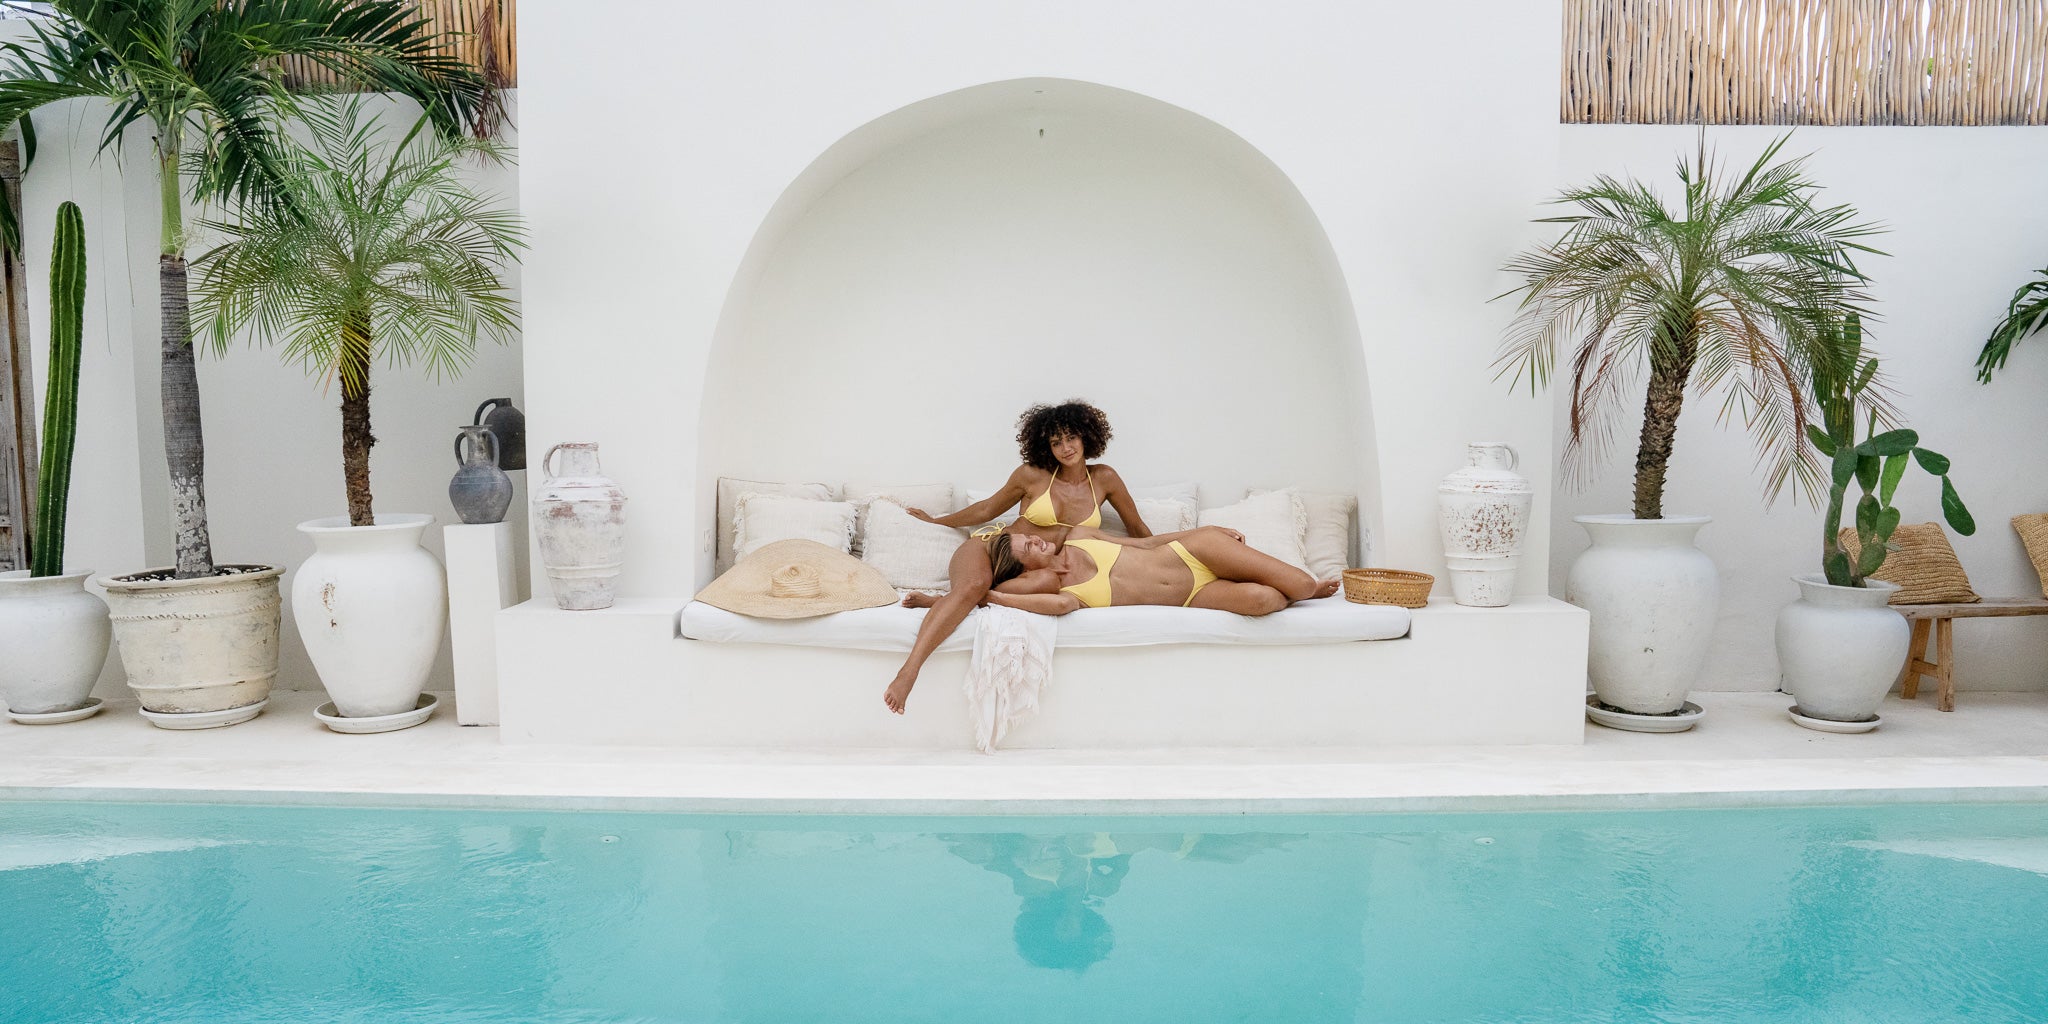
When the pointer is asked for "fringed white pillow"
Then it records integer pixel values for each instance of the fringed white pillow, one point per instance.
(1327, 541)
(1274, 523)
(911, 553)
(729, 491)
(1186, 496)
(761, 519)
(936, 499)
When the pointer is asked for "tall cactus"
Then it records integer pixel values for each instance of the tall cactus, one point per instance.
(60, 402)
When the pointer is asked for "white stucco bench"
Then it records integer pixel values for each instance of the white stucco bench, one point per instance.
(633, 674)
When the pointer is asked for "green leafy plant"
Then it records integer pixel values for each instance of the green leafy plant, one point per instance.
(2026, 314)
(204, 76)
(1844, 389)
(1731, 292)
(60, 398)
(379, 250)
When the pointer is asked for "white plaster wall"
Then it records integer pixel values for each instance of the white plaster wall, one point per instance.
(1057, 240)
(1967, 222)
(646, 184)
(273, 437)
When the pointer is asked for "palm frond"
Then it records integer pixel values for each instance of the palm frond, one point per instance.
(2026, 314)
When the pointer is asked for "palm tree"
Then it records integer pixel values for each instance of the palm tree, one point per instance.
(205, 75)
(376, 250)
(2026, 314)
(1741, 287)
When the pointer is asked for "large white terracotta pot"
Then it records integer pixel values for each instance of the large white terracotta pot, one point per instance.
(197, 645)
(370, 605)
(55, 636)
(1651, 596)
(1840, 648)
(579, 523)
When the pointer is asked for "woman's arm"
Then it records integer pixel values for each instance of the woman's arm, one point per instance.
(1157, 540)
(981, 511)
(1119, 498)
(1043, 604)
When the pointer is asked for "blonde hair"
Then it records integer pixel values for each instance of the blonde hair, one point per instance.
(1002, 562)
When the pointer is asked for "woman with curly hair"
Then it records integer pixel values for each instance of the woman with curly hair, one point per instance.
(1055, 491)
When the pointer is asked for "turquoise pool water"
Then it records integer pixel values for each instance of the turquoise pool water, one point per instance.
(173, 913)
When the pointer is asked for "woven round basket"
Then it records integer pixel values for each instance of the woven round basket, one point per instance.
(1387, 586)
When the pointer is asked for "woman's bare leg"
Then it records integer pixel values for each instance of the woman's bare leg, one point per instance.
(1242, 598)
(1239, 562)
(971, 575)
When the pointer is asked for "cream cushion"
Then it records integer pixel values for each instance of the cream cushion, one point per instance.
(1327, 541)
(911, 553)
(762, 519)
(936, 499)
(1274, 523)
(1185, 495)
(729, 491)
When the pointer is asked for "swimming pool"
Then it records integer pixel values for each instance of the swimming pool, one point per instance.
(188, 913)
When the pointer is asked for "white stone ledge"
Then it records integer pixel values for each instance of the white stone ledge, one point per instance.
(1463, 677)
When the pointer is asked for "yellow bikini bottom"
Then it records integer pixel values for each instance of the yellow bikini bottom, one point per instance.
(1203, 576)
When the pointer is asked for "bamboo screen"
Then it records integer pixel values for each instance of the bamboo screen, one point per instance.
(480, 32)
(1844, 62)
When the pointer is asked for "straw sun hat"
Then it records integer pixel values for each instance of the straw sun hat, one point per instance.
(798, 579)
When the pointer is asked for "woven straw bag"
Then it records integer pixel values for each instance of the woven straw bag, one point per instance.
(2033, 531)
(1925, 566)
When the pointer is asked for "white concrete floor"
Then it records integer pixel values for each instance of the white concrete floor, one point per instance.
(1994, 747)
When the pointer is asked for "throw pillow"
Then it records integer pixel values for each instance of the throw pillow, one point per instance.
(934, 498)
(729, 491)
(1186, 496)
(1273, 522)
(762, 519)
(1327, 541)
(911, 553)
(2033, 531)
(1923, 565)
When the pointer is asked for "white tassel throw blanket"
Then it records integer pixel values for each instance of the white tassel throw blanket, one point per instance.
(1012, 665)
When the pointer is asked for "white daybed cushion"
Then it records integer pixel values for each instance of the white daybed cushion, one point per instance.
(911, 553)
(937, 499)
(1327, 543)
(1274, 523)
(729, 491)
(763, 519)
(893, 628)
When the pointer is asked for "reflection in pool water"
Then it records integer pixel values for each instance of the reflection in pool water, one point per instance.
(1063, 880)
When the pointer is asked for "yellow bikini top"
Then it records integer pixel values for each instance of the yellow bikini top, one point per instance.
(1042, 513)
(1094, 591)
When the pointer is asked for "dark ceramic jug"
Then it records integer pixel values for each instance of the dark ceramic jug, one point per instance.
(480, 491)
(509, 425)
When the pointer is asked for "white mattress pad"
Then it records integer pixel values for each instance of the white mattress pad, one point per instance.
(893, 628)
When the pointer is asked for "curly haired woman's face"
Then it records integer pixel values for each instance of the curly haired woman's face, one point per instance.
(1067, 449)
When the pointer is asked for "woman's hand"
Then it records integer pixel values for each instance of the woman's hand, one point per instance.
(918, 513)
(1232, 534)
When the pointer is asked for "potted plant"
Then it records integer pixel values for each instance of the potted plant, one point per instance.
(1840, 645)
(1730, 292)
(54, 632)
(199, 639)
(2026, 314)
(375, 251)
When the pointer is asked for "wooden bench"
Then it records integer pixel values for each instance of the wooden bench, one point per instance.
(1940, 620)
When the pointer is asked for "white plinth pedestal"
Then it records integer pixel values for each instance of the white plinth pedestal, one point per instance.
(480, 583)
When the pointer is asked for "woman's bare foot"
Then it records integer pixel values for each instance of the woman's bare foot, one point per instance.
(898, 692)
(919, 599)
(1325, 588)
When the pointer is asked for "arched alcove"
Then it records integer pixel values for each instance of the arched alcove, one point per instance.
(946, 265)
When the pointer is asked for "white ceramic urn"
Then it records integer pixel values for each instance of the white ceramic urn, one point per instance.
(197, 646)
(1840, 648)
(55, 636)
(1483, 513)
(579, 518)
(1651, 596)
(370, 605)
